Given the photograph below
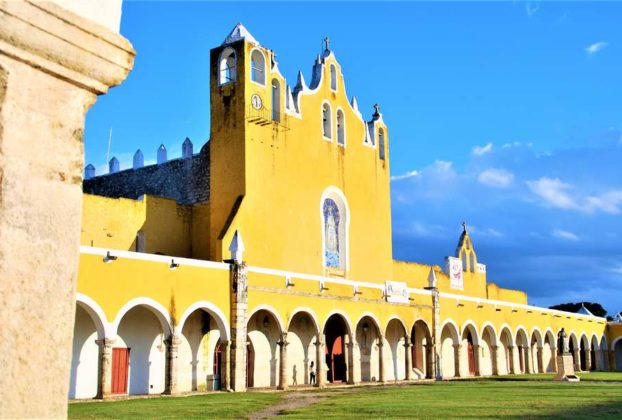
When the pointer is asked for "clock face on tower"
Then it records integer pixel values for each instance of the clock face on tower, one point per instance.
(256, 101)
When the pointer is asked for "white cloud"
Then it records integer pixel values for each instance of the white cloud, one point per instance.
(565, 234)
(595, 47)
(553, 192)
(498, 178)
(608, 202)
(443, 165)
(482, 150)
(409, 174)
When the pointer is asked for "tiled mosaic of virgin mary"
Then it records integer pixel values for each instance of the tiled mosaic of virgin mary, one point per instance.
(331, 233)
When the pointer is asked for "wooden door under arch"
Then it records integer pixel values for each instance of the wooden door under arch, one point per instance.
(250, 365)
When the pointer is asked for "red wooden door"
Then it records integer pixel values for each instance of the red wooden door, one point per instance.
(471, 359)
(217, 359)
(120, 368)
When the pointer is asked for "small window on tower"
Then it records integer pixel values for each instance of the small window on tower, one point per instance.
(341, 128)
(258, 67)
(326, 122)
(333, 77)
(227, 67)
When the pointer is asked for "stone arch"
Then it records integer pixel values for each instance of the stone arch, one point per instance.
(337, 337)
(505, 354)
(522, 354)
(469, 350)
(272, 310)
(89, 327)
(214, 310)
(450, 340)
(368, 334)
(549, 350)
(97, 314)
(141, 326)
(395, 341)
(258, 67)
(155, 307)
(264, 330)
(227, 66)
(202, 329)
(302, 336)
(422, 351)
(488, 350)
(535, 351)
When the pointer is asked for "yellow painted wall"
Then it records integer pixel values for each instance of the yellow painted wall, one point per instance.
(114, 223)
(286, 172)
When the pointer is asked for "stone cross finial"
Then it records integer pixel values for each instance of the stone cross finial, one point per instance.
(464, 227)
(377, 109)
(327, 43)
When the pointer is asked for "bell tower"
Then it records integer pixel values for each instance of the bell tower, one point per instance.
(239, 86)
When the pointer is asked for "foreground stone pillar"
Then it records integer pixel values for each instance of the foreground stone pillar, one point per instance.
(239, 305)
(541, 367)
(554, 358)
(172, 365)
(409, 358)
(104, 383)
(588, 360)
(527, 359)
(53, 64)
(320, 377)
(457, 351)
(283, 362)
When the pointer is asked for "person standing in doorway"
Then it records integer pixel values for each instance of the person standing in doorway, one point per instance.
(311, 373)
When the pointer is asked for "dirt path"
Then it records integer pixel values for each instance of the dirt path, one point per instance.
(290, 401)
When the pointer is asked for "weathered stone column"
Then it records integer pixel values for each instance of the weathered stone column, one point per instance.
(541, 368)
(477, 359)
(457, 351)
(612, 360)
(239, 305)
(554, 356)
(172, 364)
(104, 383)
(430, 365)
(381, 371)
(320, 376)
(437, 363)
(577, 360)
(225, 349)
(527, 355)
(495, 358)
(588, 360)
(409, 358)
(283, 362)
(53, 64)
(513, 369)
(353, 366)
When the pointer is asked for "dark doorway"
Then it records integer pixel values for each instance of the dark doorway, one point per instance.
(120, 365)
(250, 365)
(335, 333)
(217, 359)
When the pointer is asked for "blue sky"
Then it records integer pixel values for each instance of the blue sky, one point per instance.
(507, 115)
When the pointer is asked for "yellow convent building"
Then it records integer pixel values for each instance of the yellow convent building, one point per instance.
(265, 260)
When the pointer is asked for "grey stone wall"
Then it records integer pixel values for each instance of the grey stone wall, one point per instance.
(183, 180)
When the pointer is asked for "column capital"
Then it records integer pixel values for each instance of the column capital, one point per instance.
(173, 340)
(106, 341)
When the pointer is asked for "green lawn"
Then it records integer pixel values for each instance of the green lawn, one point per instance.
(226, 404)
(475, 399)
(597, 395)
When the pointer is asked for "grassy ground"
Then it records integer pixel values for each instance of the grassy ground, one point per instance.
(475, 399)
(597, 395)
(222, 405)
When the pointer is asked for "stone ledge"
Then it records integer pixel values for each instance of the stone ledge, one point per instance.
(63, 44)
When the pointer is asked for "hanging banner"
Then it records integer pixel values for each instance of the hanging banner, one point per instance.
(396, 292)
(454, 270)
